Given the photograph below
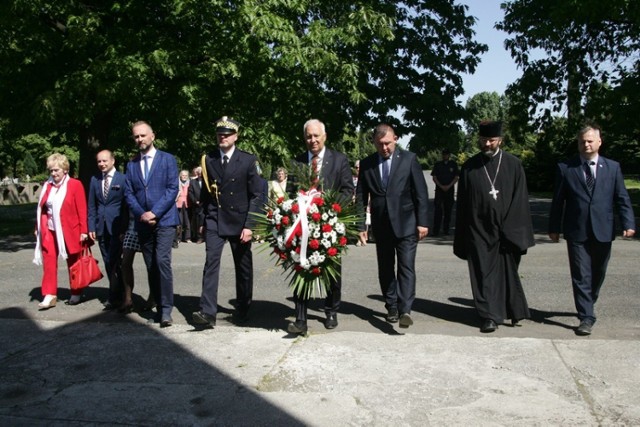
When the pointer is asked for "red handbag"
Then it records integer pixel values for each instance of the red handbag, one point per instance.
(85, 270)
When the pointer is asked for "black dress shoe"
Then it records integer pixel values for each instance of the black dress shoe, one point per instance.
(331, 321)
(108, 306)
(240, 315)
(126, 309)
(149, 305)
(392, 315)
(297, 327)
(488, 326)
(584, 328)
(515, 323)
(166, 322)
(202, 318)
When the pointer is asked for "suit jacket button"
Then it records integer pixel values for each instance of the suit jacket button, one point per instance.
(231, 193)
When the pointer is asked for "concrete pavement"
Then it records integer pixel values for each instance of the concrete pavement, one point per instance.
(77, 365)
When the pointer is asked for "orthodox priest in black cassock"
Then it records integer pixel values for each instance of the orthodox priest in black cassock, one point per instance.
(493, 229)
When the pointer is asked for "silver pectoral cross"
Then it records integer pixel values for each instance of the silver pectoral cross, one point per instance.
(494, 193)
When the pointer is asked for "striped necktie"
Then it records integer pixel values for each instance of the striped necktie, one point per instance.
(589, 175)
(106, 181)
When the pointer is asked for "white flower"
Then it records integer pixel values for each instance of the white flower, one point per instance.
(313, 209)
(326, 243)
(339, 227)
(325, 217)
(295, 256)
(333, 220)
(317, 234)
(277, 218)
(286, 205)
(316, 258)
(280, 243)
(306, 265)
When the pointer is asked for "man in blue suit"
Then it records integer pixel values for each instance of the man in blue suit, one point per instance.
(587, 189)
(108, 218)
(393, 182)
(151, 191)
(232, 193)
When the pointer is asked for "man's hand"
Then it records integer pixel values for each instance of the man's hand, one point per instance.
(92, 235)
(148, 217)
(422, 232)
(246, 235)
(628, 233)
(555, 237)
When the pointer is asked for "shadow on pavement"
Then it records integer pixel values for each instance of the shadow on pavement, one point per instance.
(87, 373)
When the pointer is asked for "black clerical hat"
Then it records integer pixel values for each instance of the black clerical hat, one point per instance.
(490, 129)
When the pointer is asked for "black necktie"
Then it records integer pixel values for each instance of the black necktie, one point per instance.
(589, 175)
(225, 161)
(385, 172)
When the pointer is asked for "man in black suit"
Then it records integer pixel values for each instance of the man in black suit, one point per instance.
(393, 181)
(108, 220)
(334, 174)
(232, 192)
(587, 189)
(197, 216)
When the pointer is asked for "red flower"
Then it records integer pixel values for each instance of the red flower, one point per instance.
(314, 244)
(280, 200)
(315, 271)
(326, 228)
(283, 256)
(318, 201)
(278, 227)
(332, 251)
(270, 214)
(285, 220)
(336, 207)
(342, 241)
(298, 268)
(316, 217)
(297, 249)
(295, 208)
(276, 251)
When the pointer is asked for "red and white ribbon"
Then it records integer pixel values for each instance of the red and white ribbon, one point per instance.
(304, 200)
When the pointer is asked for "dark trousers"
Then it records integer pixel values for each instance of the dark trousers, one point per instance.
(243, 263)
(156, 251)
(185, 224)
(443, 205)
(197, 221)
(331, 301)
(111, 250)
(588, 264)
(398, 291)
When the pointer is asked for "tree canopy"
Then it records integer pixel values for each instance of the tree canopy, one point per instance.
(580, 57)
(82, 71)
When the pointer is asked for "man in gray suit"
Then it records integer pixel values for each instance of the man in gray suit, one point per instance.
(334, 174)
(394, 183)
(587, 188)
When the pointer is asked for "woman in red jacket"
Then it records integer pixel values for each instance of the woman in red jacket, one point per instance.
(61, 227)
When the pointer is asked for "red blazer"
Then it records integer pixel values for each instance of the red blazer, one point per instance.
(73, 216)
